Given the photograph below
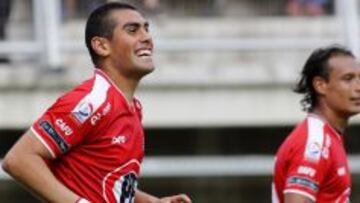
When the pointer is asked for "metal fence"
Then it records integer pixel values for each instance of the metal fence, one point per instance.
(49, 47)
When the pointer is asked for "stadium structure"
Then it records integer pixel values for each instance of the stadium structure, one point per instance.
(218, 105)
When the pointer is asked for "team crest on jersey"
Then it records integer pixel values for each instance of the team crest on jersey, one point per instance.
(83, 111)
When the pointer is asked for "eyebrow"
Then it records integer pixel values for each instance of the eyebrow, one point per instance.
(137, 24)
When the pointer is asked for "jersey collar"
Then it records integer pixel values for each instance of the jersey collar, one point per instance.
(135, 105)
(339, 135)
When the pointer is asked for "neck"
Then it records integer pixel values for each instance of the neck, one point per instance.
(126, 85)
(338, 122)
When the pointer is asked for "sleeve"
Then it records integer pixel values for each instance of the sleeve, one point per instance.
(63, 125)
(307, 167)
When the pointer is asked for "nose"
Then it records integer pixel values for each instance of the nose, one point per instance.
(146, 36)
(357, 84)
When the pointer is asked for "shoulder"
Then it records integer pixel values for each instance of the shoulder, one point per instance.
(94, 94)
(307, 137)
(315, 138)
(310, 129)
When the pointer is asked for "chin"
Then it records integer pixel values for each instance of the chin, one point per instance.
(354, 111)
(147, 67)
(141, 72)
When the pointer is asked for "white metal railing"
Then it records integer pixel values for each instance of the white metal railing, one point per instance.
(47, 41)
(215, 166)
(47, 29)
(348, 11)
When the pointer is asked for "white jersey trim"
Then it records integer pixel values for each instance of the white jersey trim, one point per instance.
(331, 127)
(300, 193)
(114, 171)
(315, 139)
(102, 73)
(346, 191)
(274, 196)
(93, 100)
(36, 134)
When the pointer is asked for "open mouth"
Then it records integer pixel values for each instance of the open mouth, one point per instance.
(144, 53)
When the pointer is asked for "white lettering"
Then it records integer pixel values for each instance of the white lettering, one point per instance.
(63, 126)
(341, 171)
(95, 118)
(106, 109)
(306, 171)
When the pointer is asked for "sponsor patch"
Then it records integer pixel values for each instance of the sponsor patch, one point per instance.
(315, 139)
(83, 111)
(303, 182)
(121, 139)
(55, 136)
(313, 151)
(306, 171)
(64, 127)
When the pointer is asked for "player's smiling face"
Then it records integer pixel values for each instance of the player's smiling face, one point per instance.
(131, 44)
(342, 90)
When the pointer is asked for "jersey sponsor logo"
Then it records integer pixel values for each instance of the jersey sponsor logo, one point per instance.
(106, 109)
(306, 171)
(294, 180)
(315, 139)
(97, 116)
(313, 151)
(49, 129)
(64, 127)
(120, 139)
(83, 112)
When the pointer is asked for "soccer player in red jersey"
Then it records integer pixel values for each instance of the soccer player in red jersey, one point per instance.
(89, 145)
(311, 164)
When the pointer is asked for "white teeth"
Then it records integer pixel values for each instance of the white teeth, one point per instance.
(143, 52)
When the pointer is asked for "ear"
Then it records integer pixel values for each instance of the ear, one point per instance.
(320, 85)
(101, 46)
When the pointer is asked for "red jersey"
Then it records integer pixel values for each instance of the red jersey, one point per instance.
(97, 140)
(312, 162)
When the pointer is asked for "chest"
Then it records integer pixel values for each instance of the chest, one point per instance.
(338, 179)
(117, 138)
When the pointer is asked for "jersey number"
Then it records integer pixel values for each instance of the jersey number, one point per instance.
(128, 188)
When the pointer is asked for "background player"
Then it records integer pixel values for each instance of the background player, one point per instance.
(88, 146)
(311, 164)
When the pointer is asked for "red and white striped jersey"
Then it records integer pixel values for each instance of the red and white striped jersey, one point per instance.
(312, 162)
(97, 140)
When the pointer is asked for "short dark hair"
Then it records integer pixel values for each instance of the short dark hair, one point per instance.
(101, 24)
(317, 65)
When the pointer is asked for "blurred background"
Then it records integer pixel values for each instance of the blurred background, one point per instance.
(219, 103)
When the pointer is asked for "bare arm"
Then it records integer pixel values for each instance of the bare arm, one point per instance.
(142, 197)
(296, 198)
(25, 162)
